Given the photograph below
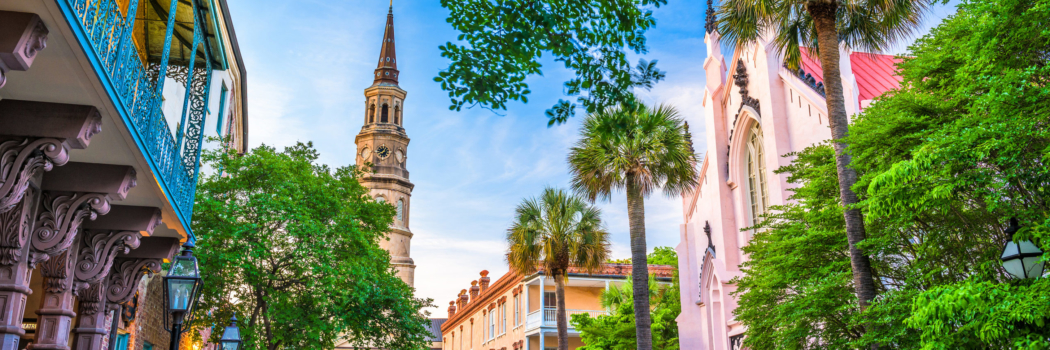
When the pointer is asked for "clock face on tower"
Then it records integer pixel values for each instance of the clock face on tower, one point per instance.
(383, 152)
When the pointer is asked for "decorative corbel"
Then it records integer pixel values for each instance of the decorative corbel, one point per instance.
(92, 299)
(59, 221)
(125, 276)
(97, 251)
(56, 272)
(14, 231)
(21, 160)
(22, 36)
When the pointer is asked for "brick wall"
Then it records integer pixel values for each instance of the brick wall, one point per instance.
(149, 323)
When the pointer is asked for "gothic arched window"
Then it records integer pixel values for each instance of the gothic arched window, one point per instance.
(385, 117)
(372, 113)
(401, 210)
(758, 194)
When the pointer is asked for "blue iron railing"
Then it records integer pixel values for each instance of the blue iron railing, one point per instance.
(136, 90)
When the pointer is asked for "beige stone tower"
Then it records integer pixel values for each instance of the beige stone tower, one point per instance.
(383, 144)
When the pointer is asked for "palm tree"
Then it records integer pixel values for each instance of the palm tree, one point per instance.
(635, 148)
(821, 26)
(553, 232)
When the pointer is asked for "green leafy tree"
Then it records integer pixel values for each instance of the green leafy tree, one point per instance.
(944, 162)
(616, 330)
(292, 247)
(638, 149)
(822, 25)
(502, 42)
(555, 231)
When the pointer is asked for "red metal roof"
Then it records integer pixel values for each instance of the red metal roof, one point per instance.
(875, 73)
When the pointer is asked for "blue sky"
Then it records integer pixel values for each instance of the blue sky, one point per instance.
(309, 61)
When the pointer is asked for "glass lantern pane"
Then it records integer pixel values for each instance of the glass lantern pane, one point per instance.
(1034, 266)
(179, 293)
(1028, 247)
(1014, 267)
(231, 333)
(230, 345)
(1010, 250)
(184, 267)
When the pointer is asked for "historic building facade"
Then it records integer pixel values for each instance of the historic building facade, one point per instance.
(518, 312)
(757, 111)
(104, 105)
(382, 151)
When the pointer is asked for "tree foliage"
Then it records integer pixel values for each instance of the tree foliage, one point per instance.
(616, 330)
(292, 247)
(502, 42)
(944, 161)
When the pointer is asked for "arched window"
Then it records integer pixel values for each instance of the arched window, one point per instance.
(401, 210)
(385, 117)
(397, 115)
(758, 194)
(381, 199)
(372, 113)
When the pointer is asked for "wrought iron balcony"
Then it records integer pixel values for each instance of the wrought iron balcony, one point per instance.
(132, 65)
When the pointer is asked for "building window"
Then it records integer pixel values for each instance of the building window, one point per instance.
(517, 311)
(492, 326)
(503, 317)
(122, 342)
(147, 346)
(401, 210)
(397, 115)
(550, 300)
(385, 117)
(372, 113)
(222, 109)
(758, 194)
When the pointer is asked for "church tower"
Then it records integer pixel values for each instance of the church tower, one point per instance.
(383, 144)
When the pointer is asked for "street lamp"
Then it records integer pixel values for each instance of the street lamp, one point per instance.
(1021, 259)
(231, 337)
(181, 286)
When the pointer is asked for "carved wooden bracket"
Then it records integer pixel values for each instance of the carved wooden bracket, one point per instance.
(98, 250)
(59, 221)
(14, 231)
(22, 36)
(21, 160)
(125, 276)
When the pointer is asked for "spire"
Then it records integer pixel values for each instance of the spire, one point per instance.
(387, 72)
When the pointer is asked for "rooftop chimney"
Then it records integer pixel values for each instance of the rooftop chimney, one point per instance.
(474, 290)
(484, 280)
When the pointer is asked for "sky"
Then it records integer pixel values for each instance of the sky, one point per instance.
(309, 61)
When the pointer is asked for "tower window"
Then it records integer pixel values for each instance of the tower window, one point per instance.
(401, 210)
(397, 115)
(385, 117)
(372, 113)
(756, 175)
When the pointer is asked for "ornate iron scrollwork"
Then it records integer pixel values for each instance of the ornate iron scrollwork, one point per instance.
(195, 118)
(736, 341)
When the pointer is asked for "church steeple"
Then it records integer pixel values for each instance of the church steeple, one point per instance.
(387, 72)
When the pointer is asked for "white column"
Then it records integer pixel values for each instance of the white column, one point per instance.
(542, 347)
(607, 290)
(543, 293)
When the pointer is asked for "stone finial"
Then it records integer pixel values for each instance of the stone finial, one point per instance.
(474, 290)
(451, 309)
(711, 22)
(484, 280)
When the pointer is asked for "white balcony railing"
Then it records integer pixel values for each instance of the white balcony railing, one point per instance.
(547, 317)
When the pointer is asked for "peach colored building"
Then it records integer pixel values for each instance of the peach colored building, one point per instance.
(757, 111)
(513, 313)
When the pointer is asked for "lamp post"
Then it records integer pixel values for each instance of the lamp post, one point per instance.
(181, 286)
(231, 337)
(1021, 259)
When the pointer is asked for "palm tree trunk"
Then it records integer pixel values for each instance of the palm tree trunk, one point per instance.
(823, 14)
(639, 265)
(561, 319)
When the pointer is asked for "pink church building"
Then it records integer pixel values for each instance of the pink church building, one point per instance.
(756, 112)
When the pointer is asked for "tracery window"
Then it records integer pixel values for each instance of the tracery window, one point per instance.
(758, 193)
